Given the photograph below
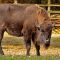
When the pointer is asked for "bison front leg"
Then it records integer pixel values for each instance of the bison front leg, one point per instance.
(37, 46)
(37, 49)
(1, 36)
(28, 46)
(36, 43)
(27, 39)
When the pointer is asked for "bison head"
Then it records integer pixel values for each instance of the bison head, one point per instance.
(45, 34)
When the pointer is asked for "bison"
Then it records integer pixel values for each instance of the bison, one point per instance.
(30, 21)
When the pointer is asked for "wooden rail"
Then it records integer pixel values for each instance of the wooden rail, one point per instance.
(49, 5)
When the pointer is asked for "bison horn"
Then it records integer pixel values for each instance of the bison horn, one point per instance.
(38, 27)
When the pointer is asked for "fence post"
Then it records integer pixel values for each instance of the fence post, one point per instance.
(15, 1)
(49, 7)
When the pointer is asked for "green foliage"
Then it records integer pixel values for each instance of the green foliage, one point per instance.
(29, 58)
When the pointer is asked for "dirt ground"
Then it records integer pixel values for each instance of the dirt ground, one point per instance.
(20, 50)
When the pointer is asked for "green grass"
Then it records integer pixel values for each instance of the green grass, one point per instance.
(29, 58)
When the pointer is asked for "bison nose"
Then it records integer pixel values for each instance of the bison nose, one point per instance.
(47, 44)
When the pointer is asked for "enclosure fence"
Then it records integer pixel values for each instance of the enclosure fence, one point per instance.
(54, 15)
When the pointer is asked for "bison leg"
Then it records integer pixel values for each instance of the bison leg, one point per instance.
(37, 48)
(27, 39)
(1, 36)
(36, 43)
(28, 46)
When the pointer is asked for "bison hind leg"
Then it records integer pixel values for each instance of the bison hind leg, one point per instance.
(1, 36)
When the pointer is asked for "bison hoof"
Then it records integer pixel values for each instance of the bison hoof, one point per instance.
(47, 46)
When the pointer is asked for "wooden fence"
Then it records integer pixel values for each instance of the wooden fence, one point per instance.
(55, 19)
